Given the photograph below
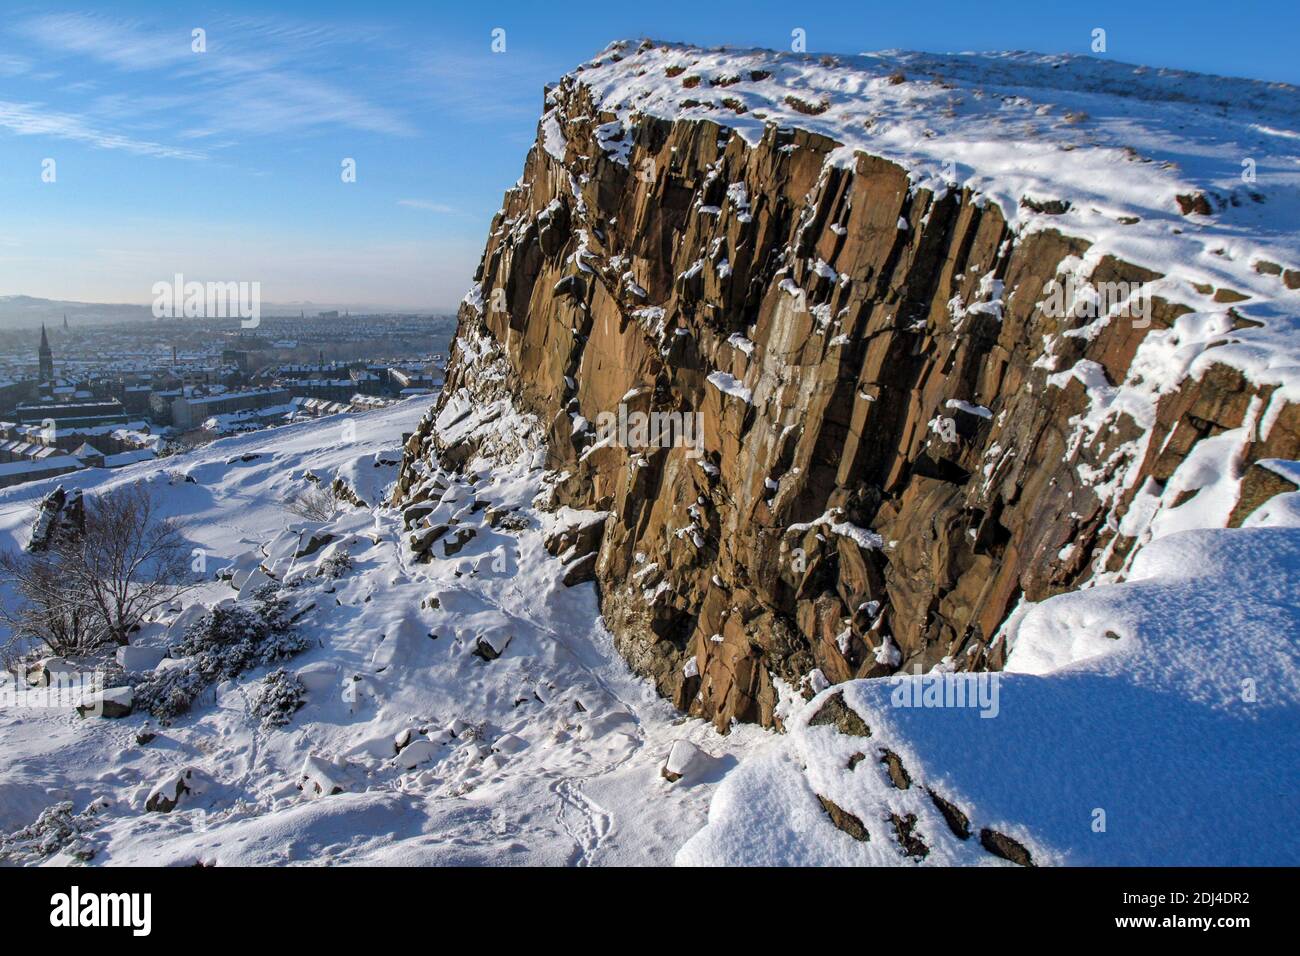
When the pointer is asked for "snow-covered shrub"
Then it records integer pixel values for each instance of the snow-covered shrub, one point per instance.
(226, 641)
(169, 693)
(57, 828)
(336, 565)
(279, 698)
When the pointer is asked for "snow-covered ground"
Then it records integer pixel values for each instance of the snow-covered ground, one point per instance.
(549, 754)
(1150, 721)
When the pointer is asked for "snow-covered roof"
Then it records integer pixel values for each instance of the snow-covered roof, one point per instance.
(52, 463)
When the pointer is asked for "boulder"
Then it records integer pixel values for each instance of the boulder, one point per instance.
(54, 671)
(457, 541)
(491, 646)
(509, 744)
(133, 658)
(114, 703)
(315, 541)
(999, 844)
(322, 777)
(580, 571)
(318, 676)
(418, 751)
(169, 794)
(685, 760)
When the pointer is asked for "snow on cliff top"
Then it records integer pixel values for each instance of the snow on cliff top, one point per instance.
(1111, 138)
(1120, 143)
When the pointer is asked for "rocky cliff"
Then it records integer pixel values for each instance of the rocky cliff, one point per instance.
(923, 339)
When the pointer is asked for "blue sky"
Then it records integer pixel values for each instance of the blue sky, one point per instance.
(226, 164)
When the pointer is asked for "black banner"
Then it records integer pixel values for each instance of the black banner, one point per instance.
(140, 907)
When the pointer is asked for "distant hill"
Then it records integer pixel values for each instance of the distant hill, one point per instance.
(25, 311)
(22, 311)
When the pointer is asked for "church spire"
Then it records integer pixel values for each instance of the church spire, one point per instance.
(45, 357)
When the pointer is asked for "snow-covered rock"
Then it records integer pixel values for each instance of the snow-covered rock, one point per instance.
(131, 657)
(685, 760)
(176, 788)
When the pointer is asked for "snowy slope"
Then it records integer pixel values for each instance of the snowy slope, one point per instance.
(549, 754)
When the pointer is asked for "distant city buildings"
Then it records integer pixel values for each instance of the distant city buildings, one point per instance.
(103, 396)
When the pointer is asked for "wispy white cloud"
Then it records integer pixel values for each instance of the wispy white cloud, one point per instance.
(32, 119)
(257, 76)
(108, 40)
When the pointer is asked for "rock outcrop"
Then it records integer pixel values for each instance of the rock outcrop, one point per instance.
(876, 434)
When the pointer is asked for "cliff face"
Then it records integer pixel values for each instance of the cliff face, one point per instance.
(906, 431)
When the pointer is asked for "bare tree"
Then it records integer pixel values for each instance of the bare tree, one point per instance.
(317, 503)
(50, 613)
(97, 585)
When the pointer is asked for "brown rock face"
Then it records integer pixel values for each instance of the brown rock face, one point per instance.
(865, 467)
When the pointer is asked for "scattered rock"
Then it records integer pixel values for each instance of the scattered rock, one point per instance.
(999, 844)
(166, 796)
(897, 772)
(1189, 203)
(835, 712)
(957, 821)
(422, 540)
(905, 833)
(1048, 207)
(412, 515)
(684, 759)
(845, 820)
